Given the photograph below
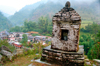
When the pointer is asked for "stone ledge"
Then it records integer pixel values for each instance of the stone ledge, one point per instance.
(80, 51)
(63, 56)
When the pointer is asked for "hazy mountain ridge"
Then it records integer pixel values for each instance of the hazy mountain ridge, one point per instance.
(5, 24)
(5, 14)
(47, 9)
(88, 11)
(23, 14)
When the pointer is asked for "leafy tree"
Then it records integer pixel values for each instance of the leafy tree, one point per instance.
(30, 26)
(35, 34)
(24, 40)
(98, 36)
(16, 29)
(94, 52)
(43, 26)
(87, 41)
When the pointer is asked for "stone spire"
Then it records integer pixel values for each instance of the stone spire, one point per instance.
(67, 4)
(67, 14)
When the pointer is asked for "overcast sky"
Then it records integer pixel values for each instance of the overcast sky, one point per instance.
(17, 4)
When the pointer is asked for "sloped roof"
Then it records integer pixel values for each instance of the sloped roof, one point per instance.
(33, 32)
(30, 37)
(4, 33)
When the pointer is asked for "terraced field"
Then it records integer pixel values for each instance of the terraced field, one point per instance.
(85, 23)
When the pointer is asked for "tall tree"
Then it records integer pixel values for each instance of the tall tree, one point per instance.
(24, 40)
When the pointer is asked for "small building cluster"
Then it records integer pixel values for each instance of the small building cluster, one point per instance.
(14, 38)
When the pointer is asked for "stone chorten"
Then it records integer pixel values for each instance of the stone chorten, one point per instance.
(65, 48)
(66, 27)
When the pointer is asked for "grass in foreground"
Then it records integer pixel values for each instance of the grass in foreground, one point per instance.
(21, 61)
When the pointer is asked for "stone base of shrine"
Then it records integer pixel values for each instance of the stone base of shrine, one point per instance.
(63, 58)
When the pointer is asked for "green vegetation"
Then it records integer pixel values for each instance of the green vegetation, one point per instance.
(43, 26)
(5, 43)
(35, 35)
(24, 40)
(27, 56)
(90, 38)
(94, 52)
(4, 23)
(87, 41)
(91, 28)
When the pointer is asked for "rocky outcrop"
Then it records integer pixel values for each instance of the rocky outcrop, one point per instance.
(6, 52)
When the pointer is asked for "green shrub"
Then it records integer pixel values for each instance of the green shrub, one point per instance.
(94, 52)
(5, 43)
(35, 35)
(87, 41)
(37, 56)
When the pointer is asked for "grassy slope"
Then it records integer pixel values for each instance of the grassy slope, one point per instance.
(25, 61)
(21, 61)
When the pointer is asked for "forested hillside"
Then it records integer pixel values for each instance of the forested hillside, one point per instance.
(48, 9)
(5, 24)
(19, 17)
(88, 11)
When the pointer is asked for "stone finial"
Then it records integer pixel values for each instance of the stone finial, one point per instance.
(67, 4)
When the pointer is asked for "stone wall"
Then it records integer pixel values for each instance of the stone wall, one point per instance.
(63, 57)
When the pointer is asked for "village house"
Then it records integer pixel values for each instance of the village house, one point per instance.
(18, 36)
(39, 38)
(11, 42)
(32, 32)
(42, 39)
(17, 45)
(4, 35)
(31, 38)
(11, 37)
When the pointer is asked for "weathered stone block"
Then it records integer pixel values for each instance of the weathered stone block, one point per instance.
(63, 56)
(7, 53)
(75, 18)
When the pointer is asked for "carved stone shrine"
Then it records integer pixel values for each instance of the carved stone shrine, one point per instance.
(65, 47)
